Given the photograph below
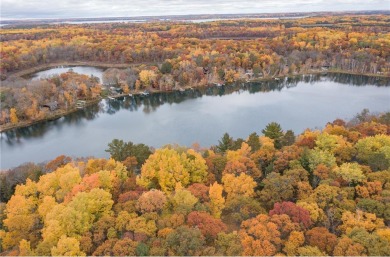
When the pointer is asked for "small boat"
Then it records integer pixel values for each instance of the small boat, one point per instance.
(277, 78)
(145, 93)
(131, 95)
(110, 97)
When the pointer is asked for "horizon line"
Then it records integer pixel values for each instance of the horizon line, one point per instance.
(181, 15)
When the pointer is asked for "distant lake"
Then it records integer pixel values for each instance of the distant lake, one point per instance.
(198, 116)
(247, 18)
(87, 70)
(99, 21)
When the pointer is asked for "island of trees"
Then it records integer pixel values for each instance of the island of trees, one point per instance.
(164, 56)
(319, 193)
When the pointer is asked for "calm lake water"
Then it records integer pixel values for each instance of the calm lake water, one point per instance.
(95, 71)
(198, 116)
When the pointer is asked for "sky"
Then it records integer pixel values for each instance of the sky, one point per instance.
(24, 9)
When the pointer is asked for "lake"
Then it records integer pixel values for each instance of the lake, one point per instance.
(201, 116)
(87, 70)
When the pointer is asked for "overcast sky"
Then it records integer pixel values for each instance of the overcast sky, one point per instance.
(15, 9)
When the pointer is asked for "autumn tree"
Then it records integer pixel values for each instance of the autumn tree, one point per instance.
(185, 241)
(320, 237)
(242, 185)
(259, 236)
(228, 244)
(166, 167)
(347, 247)
(14, 118)
(296, 213)
(208, 225)
(217, 201)
(151, 201)
(239, 161)
(67, 246)
(183, 201)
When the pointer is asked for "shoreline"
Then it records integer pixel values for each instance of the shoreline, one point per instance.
(42, 67)
(61, 113)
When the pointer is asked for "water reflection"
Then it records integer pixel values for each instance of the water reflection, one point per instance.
(152, 102)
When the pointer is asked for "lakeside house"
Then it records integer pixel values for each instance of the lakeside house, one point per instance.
(52, 106)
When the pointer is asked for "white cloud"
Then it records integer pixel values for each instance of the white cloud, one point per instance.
(112, 8)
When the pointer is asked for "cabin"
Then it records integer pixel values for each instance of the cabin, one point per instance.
(80, 104)
(249, 74)
(52, 106)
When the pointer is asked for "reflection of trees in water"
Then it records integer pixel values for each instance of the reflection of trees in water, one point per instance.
(359, 80)
(151, 102)
(38, 130)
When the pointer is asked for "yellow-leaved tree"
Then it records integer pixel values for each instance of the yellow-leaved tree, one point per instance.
(166, 167)
(217, 201)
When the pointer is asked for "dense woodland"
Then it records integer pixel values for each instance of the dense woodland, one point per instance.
(319, 193)
(166, 56)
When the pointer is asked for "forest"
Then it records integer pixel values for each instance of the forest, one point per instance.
(273, 193)
(165, 56)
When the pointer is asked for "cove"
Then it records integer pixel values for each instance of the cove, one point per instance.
(198, 115)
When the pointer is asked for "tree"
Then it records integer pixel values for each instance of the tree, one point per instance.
(372, 206)
(274, 131)
(166, 67)
(228, 244)
(208, 225)
(183, 201)
(151, 201)
(317, 157)
(124, 247)
(200, 191)
(297, 214)
(374, 151)
(321, 238)
(67, 246)
(142, 250)
(309, 251)
(241, 208)
(347, 247)
(350, 172)
(216, 163)
(120, 150)
(185, 241)
(21, 219)
(217, 201)
(288, 138)
(239, 161)
(254, 142)
(295, 240)
(147, 77)
(360, 219)
(316, 213)
(277, 188)
(374, 244)
(238, 185)
(14, 118)
(259, 236)
(166, 167)
(226, 143)
(25, 248)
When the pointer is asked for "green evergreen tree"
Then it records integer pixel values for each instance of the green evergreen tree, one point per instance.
(226, 143)
(274, 131)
